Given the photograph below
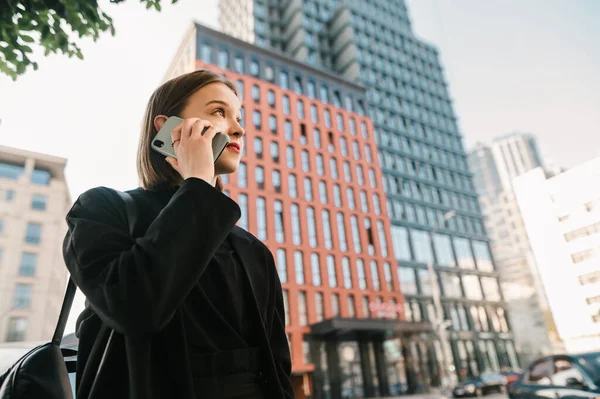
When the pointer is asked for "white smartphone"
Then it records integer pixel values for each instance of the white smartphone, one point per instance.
(162, 141)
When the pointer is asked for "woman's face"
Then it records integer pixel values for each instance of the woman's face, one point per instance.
(219, 105)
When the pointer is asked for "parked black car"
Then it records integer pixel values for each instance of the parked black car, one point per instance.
(479, 386)
(560, 377)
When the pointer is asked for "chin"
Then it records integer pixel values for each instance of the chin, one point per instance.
(226, 166)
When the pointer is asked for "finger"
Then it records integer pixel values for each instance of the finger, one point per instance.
(173, 162)
(176, 134)
(210, 133)
(186, 129)
(199, 127)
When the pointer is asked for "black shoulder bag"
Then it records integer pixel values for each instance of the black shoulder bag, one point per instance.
(43, 373)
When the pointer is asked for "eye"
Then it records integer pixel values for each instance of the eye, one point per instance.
(219, 111)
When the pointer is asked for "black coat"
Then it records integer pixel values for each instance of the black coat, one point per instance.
(136, 286)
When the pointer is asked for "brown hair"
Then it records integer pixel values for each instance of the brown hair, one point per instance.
(169, 99)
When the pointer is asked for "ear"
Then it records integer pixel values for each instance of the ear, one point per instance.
(159, 121)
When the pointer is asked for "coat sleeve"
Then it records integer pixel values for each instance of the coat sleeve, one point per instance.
(136, 285)
(277, 336)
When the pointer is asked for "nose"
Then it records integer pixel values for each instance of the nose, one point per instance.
(236, 130)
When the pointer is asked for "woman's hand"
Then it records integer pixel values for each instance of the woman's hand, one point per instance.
(193, 149)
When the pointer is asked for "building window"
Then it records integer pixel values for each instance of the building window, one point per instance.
(335, 305)
(314, 115)
(311, 89)
(319, 306)
(347, 172)
(286, 104)
(299, 267)
(352, 124)
(292, 189)
(331, 274)
(287, 129)
(355, 150)
(482, 256)
(372, 179)
(323, 192)
(324, 94)
(491, 288)
(363, 130)
(269, 72)
(387, 273)
(355, 234)
(241, 175)
(255, 93)
(273, 125)
(282, 265)
(421, 246)
(364, 204)
(312, 229)
(28, 264)
(286, 307)
(408, 281)
(472, 287)
(368, 155)
(443, 250)
(296, 235)
(327, 118)
(333, 167)
(376, 204)
(205, 52)
(260, 177)
(300, 109)
(340, 122)
(463, 253)
(305, 161)
(256, 119)
(254, 68)
(320, 166)
(279, 226)
(382, 238)
(39, 202)
(33, 233)
(350, 198)
(276, 179)
(308, 189)
(243, 203)
(365, 306)
(258, 147)
(327, 229)
(451, 284)
(223, 60)
(317, 138)
(22, 298)
(316, 270)
(302, 308)
(261, 218)
(346, 273)
(343, 245)
(425, 282)
(360, 272)
(351, 306)
(283, 80)
(240, 88)
(10, 194)
(17, 326)
(290, 157)
(375, 276)
(239, 64)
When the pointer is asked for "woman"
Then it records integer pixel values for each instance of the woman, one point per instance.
(195, 302)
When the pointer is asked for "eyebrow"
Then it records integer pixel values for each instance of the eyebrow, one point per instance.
(219, 102)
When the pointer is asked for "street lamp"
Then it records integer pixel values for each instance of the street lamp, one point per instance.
(441, 325)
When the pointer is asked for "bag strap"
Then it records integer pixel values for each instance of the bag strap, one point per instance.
(65, 309)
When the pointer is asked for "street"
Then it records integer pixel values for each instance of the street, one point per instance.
(439, 396)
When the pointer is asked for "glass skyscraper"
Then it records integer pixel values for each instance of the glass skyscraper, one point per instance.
(424, 167)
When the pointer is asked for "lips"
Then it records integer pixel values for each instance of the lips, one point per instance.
(234, 146)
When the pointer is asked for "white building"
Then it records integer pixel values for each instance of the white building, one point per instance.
(34, 199)
(494, 168)
(562, 218)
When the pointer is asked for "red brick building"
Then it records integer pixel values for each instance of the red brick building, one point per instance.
(310, 188)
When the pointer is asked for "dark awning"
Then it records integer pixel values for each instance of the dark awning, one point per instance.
(342, 326)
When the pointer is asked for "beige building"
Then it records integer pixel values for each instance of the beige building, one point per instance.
(34, 199)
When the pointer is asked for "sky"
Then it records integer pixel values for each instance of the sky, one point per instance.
(512, 65)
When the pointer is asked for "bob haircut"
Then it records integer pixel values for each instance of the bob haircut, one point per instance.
(169, 99)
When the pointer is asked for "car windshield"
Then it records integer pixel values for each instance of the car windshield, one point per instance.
(591, 364)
